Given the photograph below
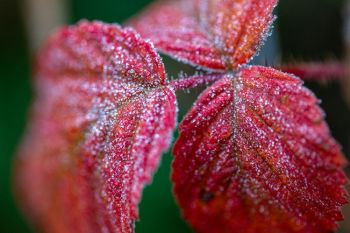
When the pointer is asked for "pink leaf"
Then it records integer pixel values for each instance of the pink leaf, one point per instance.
(214, 34)
(101, 120)
(255, 155)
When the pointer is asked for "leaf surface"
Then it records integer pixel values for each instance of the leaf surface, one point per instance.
(101, 120)
(213, 34)
(255, 155)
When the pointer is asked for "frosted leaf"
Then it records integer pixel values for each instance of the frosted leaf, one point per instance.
(255, 155)
(213, 34)
(101, 120)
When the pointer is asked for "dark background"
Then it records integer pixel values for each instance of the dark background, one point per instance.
(308, 30)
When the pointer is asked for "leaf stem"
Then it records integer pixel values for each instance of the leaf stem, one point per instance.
(317, 71)
(194, 81)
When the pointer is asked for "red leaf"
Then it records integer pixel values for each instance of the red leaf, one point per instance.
(255, 155)
(102, 118)
(214, 34)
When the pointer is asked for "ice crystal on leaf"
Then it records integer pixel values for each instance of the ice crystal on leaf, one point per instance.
(102, 118)
(255, 155)
(214, 34)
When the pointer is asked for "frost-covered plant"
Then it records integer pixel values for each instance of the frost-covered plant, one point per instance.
(254, 153)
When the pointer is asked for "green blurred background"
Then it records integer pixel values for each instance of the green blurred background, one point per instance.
(307, 30)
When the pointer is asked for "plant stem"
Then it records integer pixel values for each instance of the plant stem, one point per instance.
(194, 81)
(306, 71)
(317, 71)
(346, 82)
(41, 17)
